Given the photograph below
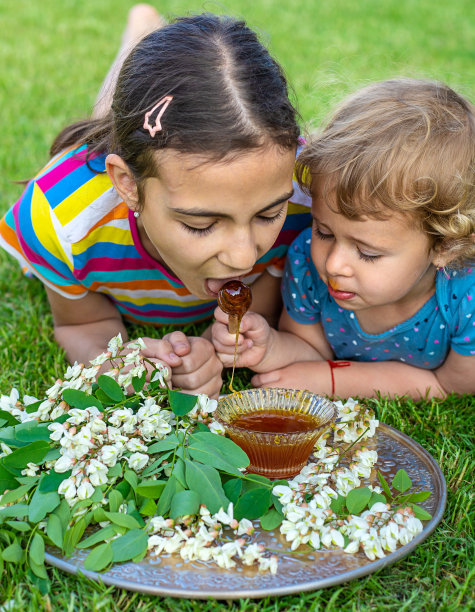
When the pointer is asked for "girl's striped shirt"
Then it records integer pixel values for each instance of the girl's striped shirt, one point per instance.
(71, 229)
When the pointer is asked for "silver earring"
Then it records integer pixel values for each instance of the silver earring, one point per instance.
(136, 214)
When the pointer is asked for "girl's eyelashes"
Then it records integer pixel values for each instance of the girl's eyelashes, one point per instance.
(273, 218)
(200, 231)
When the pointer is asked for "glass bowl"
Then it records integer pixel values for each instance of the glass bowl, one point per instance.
(276, 428)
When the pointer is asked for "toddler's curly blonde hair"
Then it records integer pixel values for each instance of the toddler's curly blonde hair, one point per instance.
(407, 145)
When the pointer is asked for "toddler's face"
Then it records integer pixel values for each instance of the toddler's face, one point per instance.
(369, 263)
(209, 223)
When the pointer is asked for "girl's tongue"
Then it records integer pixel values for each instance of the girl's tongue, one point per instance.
(214, 284)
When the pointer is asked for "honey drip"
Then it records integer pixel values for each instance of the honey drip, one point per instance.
(234, 298)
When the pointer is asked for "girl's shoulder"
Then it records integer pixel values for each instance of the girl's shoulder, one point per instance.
(76, 190)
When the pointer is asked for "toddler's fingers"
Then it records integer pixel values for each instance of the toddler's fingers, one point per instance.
(268, 379)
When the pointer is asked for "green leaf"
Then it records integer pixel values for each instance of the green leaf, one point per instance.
(420, 513)
(132, 478)
(99, 558)
(51, 481)
(14, 511)
(54, 530)
(337, 504)
(271, 519)
(138, 382)
(148, 508)
(233, 488)
(211, 456)
(205, 480)
(115, 500)
(22, 526)
(151, 489)
(111, 388)
(253, 504)
(225, 446)
(115, 471)
(357, 499)
(80, 399)
(13, 553)
(41, 504)
(32, 431)
(401, 481)
(103, 398)
(162, 445)
(15, 494)
(9, 418)
(185, 503)
(31, 453)
(179, 472)
(63, 512)
(122, 520)
(375, 498)
(128, 546)
(181, 403)
(166, 497)
(256, 481)
(42, 584)
(37, 550)
(419, 496)
(385, 486)
(73, 536)
(98, 536)
(7, 480)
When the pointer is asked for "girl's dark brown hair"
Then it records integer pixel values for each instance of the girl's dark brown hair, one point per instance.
(229, 95)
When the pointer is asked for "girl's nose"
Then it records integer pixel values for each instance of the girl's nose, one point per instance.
(337, 262)
(239, 251)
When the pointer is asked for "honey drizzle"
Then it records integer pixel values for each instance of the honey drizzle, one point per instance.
(231, 388)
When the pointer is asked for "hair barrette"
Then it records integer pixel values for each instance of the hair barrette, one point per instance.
(153, 129)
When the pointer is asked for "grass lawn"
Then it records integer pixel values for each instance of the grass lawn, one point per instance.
(53, 56)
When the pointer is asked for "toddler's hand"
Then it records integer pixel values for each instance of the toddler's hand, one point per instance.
(199, 370)
(311, 375)
(253, 341)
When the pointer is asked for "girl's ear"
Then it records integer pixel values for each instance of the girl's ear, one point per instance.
(123, 180)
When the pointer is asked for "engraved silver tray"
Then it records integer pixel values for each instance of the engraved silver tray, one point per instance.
(309, 571)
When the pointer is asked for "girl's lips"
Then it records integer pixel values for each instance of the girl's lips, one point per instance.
(340, 295)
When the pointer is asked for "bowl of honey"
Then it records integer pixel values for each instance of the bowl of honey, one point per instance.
(276, 428)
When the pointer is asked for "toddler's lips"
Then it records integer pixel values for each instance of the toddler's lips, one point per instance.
(340, 295)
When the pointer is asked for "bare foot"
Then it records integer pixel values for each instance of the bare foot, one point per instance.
(142, 19)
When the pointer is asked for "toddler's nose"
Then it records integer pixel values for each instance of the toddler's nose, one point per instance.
(337, 262)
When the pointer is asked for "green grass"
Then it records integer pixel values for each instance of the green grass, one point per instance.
(54, 55)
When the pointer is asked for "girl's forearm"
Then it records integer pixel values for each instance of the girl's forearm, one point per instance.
(86, 341)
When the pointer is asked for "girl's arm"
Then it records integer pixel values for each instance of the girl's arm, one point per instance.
(84, 327)
(370, 379)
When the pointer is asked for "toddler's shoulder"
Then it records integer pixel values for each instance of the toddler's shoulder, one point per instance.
(455, 291)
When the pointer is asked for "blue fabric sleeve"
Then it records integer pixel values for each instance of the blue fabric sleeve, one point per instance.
(463, 339)
(300, 282)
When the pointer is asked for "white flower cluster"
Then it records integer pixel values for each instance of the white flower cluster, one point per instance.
(92, 442)
(354, 419)
(215, 537)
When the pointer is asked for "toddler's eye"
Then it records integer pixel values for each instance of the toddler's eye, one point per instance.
(366, 257)
(320, 234)
(200, 231)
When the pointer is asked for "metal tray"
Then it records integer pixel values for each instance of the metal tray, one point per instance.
(170, 576)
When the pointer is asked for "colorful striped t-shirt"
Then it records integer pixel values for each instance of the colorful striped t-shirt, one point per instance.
(71, 229)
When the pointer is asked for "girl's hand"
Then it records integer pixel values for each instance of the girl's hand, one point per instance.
(253, 342)
(199, 370)
(314, 376)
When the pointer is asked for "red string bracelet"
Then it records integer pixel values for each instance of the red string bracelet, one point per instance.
(333, 365)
